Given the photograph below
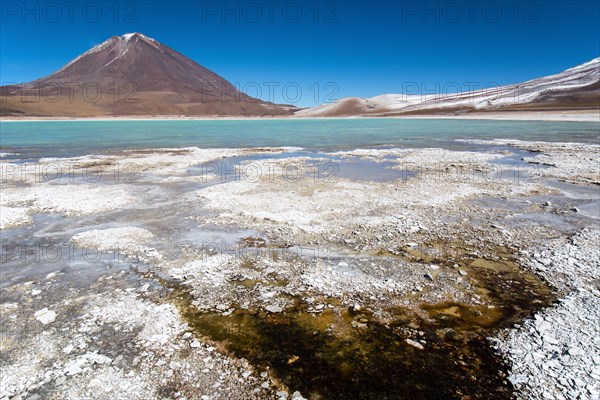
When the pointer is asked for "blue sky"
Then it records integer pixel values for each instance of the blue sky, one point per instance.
(327, 49)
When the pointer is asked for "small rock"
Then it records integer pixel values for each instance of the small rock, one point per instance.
(45, 316)
(273, 309)
(195, 344)
(297, 396)
(550, 339)
(462, 272)
(73, 368)
(282, 394)
(415, 344)
(96, 358)
(516, 379)
(544, 326)
(575, 351)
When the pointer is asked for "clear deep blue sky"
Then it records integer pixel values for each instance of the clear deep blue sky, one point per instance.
(365, 48)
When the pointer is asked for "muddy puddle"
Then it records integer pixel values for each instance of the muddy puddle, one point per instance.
(430, 351)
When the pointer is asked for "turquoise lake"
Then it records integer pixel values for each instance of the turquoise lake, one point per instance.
(69, 138)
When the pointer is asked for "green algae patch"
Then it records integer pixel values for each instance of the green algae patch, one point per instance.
(340, 354)
(437, 351)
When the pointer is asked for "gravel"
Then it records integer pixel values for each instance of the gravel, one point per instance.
(556, 355)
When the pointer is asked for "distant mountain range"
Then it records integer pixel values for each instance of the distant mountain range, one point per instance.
(577, 88)
(134, 75)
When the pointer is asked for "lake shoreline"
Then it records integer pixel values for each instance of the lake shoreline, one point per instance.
(575, 116)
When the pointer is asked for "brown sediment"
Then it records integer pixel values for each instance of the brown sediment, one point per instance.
(345, 352)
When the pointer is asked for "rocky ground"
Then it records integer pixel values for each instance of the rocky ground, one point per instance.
(573, 162)
(555, 355)
(158, 247)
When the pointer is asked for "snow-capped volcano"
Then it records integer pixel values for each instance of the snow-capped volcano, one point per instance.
(136, 58)
(137, 75)
(577, 87)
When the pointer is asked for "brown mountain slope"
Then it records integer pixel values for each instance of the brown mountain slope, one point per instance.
(132, 75)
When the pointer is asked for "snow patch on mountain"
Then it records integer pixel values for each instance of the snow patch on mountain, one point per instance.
(575, 80)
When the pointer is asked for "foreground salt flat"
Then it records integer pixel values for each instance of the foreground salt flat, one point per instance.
(122, 334)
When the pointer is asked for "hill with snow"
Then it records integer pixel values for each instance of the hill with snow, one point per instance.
(576, 88)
